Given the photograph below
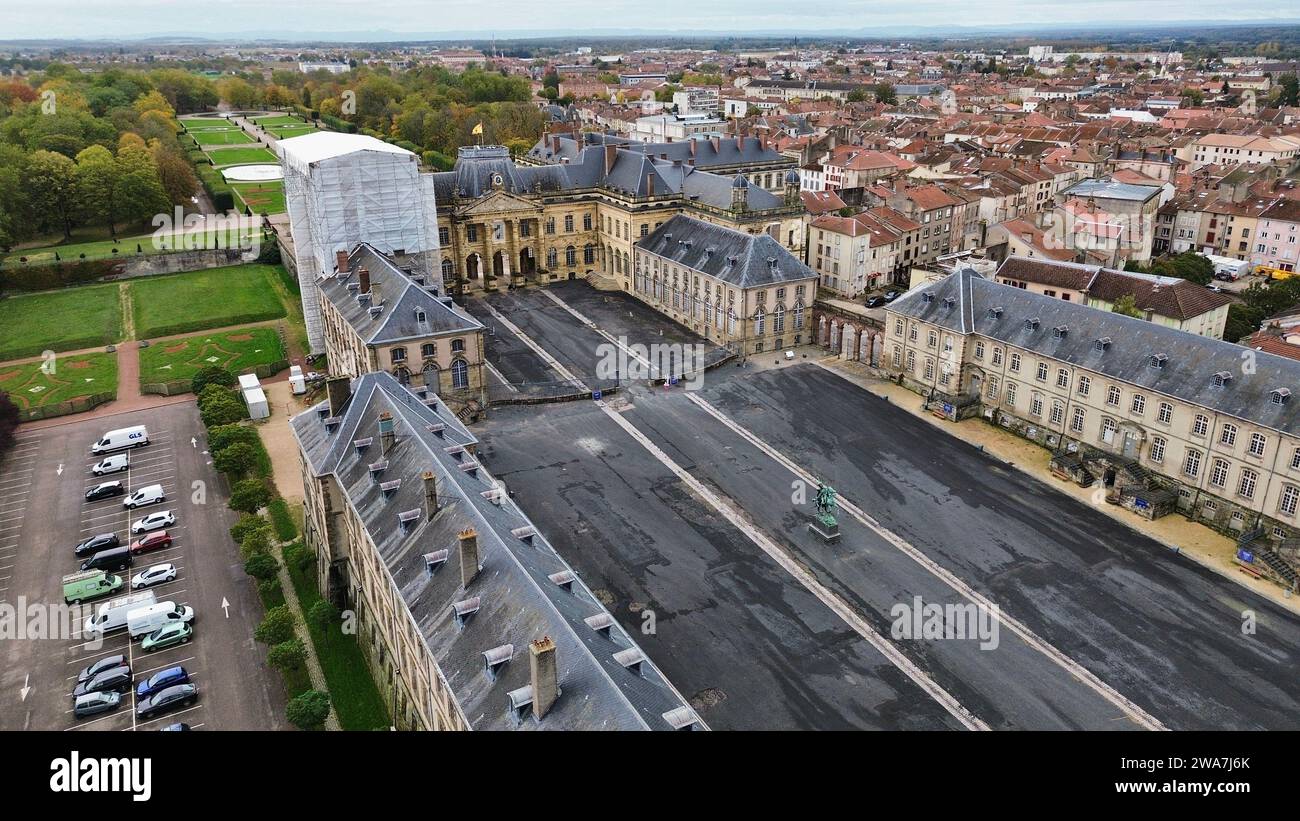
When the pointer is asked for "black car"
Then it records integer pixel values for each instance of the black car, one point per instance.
(875, 302)
(890, 296)
(112, 680)
(181, 695)
(105, 490)
(106, 663)
(97, 543)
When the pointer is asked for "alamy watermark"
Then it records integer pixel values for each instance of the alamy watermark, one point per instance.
(179, 231)
(932, 622)
(669, 361)
(23, 620)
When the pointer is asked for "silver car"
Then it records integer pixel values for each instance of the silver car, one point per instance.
(157, 574)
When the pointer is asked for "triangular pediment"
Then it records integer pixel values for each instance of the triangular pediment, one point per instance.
(498, 203)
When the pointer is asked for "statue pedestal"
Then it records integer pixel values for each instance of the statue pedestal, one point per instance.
(828, 530)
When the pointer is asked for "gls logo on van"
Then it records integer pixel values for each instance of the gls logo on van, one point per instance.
(128, 775)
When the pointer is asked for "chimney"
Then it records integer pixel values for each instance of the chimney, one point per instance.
(545, 676)
(387, 437)
(339, 389)
(611, 152)
(650, 185)
(363, 281)
(717, 144)
(740, 143)
(555, 144)
(469, 565)
(341, 260)
(693, 144)
(430, 495)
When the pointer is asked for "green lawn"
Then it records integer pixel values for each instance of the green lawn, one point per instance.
(241, 156)
(232, 137)
(103, 249)
(238, 351)
(213, 298)
(284, 132)
(59, 320)
(355, 697)
(73, 376)
(205, 123)
(279, 119)
(261, 196)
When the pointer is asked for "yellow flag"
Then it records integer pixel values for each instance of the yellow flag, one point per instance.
(478, 130)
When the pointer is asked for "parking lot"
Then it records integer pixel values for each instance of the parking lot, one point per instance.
(46, 515)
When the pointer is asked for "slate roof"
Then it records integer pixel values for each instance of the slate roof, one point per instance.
(1111, 190)
(1166, 296)
(630, 172)
(707, 153)
(963, 302)
(735, 257)
(400, 299)
(518, 600)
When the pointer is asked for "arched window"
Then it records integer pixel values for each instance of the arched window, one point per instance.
(758, 322)
(798, 315)
(459, 374)
(778, 320)
(431, 376)
(551, 258)
(731, 322)
(448, 270)
(588, 253)
(403, 375)
(570, 255)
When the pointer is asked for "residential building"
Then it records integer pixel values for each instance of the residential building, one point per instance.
(1131, 398)
(743, 291)
(467, 616)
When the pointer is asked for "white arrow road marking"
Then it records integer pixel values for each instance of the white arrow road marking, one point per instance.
(225, 605)
(26, 689)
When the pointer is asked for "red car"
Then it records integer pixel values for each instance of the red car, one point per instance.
(157, 540)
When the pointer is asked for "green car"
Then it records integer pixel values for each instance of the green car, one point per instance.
(166, 636)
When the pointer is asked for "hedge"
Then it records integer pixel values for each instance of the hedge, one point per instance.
(222, 195)
(79, 405)
(174, 387)
(282, 519)
(188, 326)
(23, 277)
(338, 124)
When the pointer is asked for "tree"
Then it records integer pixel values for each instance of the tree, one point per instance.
(249, 495)
(277, 626)
(309, 710)
(261, 566)
(248, 523)
(140, 191)
(322, 614)
(1288, 91)
(254, 542)
(885, 93)
(222, 408)
(174, 173)
(1243, 320)
(212, 375)
(9, 417)
(1188, 265)
(98, 179)
(50, 181)
(236, 460)
(221, 437)
(288, 655)
(1127, 306)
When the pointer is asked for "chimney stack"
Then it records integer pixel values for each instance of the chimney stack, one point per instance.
(341, 260)
(611, 152)
(545, 676)
(469, 565)
(430, 495)
(363, 281)
(387, 436)
(339, 389)
(650, 185)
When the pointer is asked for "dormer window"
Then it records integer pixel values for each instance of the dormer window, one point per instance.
(564, 579)
(420, 316)
(379, 467)
(1031, 324)
(389, 488)
(995, 313)
(927, 297)
(1281, 395)
(1222, 378)
(462, 610)
(435, 560)
(1101, 344)
(949, 302)
(1158, 360)
(362, 444)
(1060, 331)
(407, 519)
(495, 659)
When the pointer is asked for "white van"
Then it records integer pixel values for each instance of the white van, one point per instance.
(142, 621)
(112, 614)
(147, 495)
(121, 439)
(112, 464)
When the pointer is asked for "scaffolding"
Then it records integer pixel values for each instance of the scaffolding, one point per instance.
(344, 189)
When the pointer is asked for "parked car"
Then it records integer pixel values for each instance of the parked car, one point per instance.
(154, 521)
(161, 681)
(112, 560)
(104, 490)
(114, 679)
(106, 663)
(890, 296)
(112, 464)
(92, 704)
(157, 540)
(97, 543)
(178, 727)
(164, 701)
(875, 302)
(157, 574)
(147, 495)
(169, 635)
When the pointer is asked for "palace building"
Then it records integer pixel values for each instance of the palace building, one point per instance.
(502, 224)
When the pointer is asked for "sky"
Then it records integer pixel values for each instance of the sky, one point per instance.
(90, 19)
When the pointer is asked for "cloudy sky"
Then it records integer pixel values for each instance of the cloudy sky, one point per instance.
(143, 18)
